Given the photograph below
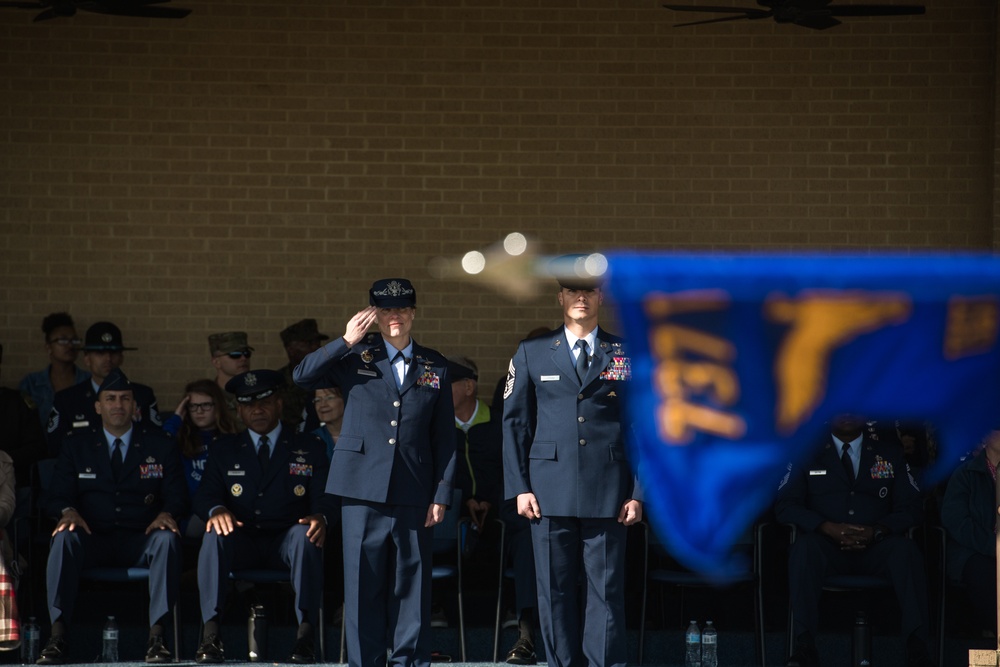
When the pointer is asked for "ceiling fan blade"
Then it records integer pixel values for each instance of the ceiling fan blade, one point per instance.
(717, 9)
(818, 21)
(131, 9)
(875, 10)
(719, 20)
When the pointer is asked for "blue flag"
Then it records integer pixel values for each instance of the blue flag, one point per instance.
(738, 361)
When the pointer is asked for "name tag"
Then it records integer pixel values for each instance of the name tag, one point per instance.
(82, 424)
(236, 473)
(549, 378)
(817, 472)
(87, 475)
(364, 371)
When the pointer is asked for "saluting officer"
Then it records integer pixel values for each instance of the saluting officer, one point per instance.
(393, 466)
(117, 491)
(565, 464)
(262, 498)
(852, 506)
(73, 408)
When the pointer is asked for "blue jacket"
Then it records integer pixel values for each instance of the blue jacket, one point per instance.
(967, 514)
(562, 439)
(38, 386)
(884, 492)
(152, 481)
(396, 446)
(291, 487)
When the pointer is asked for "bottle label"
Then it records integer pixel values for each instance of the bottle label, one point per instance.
(709, 639)
(693, 638)
(111, 634)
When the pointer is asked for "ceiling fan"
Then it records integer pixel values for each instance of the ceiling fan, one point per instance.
(815, 14)
(142, 8)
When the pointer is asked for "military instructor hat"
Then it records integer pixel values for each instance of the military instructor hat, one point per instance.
(116, 380)
(104, 337)
(255, 385)
(305, 330)
(230, 341)
(579, 271)
(392, 293)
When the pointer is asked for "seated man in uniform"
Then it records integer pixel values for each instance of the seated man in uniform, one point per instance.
(116, 491)
(263, 500)
(73, 408)
(852, 506)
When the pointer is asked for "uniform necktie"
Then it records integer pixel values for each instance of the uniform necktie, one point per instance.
(845, 459)
(116, 458)
(582, 360)
(399, 376)
(263, 452)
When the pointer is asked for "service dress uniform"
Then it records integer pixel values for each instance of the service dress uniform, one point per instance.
(73, 412)
(269, 501)
(395, 457)
(118, 511)
(884, 495)
(563, 443)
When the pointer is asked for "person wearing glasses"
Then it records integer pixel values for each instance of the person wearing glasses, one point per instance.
(73, 408)
(329, 405)
(201, 418)
(230, 356)
(63, 346)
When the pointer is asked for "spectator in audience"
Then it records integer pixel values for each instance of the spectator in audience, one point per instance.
(21, 433)
(852, 506)
(10, 621)
(262, 498)
(329, 405)
(73, 409)
(968, 514)
(299, 340)
(63, 347)
(201, 418)
(116, 491)
(230, 356)
(479, 474)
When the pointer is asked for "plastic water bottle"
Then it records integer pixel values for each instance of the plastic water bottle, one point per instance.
(30, 638)
(109, 650)
(692, 640)
(257, 634)
(709, 646)
(861, 642)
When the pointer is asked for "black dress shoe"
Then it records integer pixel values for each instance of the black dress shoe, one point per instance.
(303, 653)
(210, 650)
(54, 652)
(156, 652)
(522, 653)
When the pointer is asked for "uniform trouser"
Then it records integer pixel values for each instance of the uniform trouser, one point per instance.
(387, 583)
(288, 549)
(563, 546)
(72, 552)
(522, 559)
(813, 557)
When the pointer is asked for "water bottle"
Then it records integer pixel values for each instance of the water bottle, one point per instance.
(109, 650)
(861, 642)
(257, 633)
(709, 646)
(30, 638)
(692, 639)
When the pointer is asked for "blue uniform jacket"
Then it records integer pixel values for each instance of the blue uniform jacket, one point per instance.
(291, 487)
(152, 481)
(562, 439)
(884, 493)
(73, 411)
(396, 446)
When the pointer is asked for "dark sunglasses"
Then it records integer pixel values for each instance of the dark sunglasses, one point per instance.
(239, 355)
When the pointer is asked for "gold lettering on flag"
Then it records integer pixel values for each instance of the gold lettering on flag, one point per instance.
(972, 326)
(819, 322)
(689, 364)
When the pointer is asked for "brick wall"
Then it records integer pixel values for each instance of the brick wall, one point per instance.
(262, 161)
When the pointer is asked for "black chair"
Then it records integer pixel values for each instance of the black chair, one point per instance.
(683, 578)
(265, 577)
